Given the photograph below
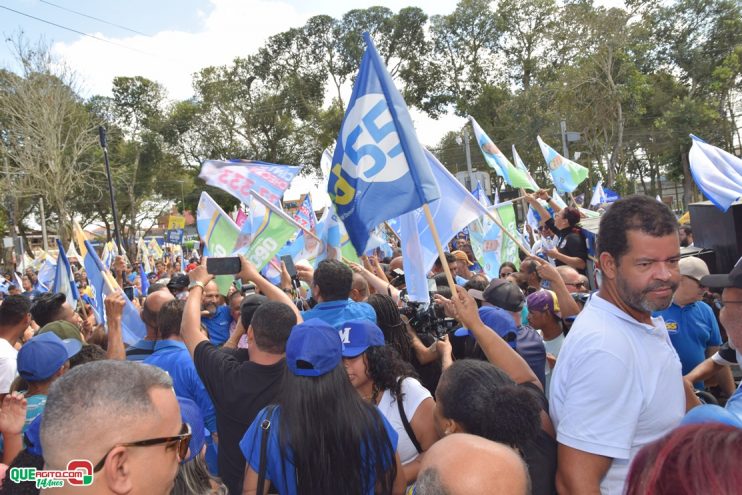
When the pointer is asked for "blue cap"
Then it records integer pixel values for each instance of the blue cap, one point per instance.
(498, 320)
(43, 355)
(313, 348)
(32, 435)
(191, 414)
(359, 335)
(710, 413)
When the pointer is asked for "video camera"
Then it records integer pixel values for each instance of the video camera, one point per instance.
(430, 319)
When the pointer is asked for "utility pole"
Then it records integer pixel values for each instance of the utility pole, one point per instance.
(116, 226)
(565, 149)
(43, 225)
(465, 133)
(10, 200)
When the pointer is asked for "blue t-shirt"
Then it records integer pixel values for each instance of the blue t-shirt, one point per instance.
(284, 482)
(692, 330)
(734, 404)
(337, 313)
(218, 325)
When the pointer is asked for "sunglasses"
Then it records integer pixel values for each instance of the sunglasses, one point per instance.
(181, 442)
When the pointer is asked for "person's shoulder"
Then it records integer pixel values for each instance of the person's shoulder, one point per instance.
(412, 386)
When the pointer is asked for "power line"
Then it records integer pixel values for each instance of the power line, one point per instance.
(76, 31)
(94, 18)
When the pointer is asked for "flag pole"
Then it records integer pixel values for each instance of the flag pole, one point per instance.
(439, 247)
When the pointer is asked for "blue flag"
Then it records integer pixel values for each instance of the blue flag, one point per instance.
(379, 170)
(717, 173)
(64, 281)
(144, 280)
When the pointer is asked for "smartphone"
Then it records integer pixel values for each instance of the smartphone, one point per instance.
(223, 266)
(129, 291)
(291, 269)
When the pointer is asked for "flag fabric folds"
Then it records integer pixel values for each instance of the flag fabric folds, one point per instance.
(379, 170)
(514, 176)
(565, 174)
(455, 209)
(64, 281)
(522, 166)
(218, 232)
(241, 177)
(717, 173)
(599, 196)
(271, 235)
(493, 246)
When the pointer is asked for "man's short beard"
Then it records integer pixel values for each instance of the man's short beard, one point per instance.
(211, 308)
(639, 301)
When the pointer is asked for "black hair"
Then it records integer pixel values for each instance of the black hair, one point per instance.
(508, 264)
(640, 213)
(24, 459)
(385, 367)
(271, 324)
(486, 402)
(478, 282)
(169, 318)
(14, 309)
(88, 354)
(449, 258)
(47, 307)
(155, 287)
(686, 228)
(571, 215)
(388, 319)
(347, 434)
(441, 280)
(334, 280)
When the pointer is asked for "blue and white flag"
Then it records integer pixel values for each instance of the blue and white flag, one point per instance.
(379, 170)
(305, 216)
(565, 174)
(599, 196)
(64, 281)
(557, 199)
(241, 177)
(47, 272)
(479, 193)
(455, 209)
(717, 173)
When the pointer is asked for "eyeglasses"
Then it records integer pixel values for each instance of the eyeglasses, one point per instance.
(181, 442)
(724, 303)
(579, 285)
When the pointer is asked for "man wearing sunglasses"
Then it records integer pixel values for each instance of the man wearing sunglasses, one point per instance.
(123, 418)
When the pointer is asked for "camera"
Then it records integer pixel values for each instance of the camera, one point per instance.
(428, 318)
(397, 279)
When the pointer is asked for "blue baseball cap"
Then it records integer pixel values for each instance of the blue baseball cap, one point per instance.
(43, 355)
(313, 348)
(359, 335)
(498, 320)
(191, 414)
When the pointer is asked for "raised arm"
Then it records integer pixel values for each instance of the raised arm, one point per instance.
(190, 325)
(380, 286)
(547, 271)
(250, 273)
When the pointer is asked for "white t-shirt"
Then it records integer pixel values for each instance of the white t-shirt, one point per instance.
(8, 365)
(617, 386)
(552, 347)
(413, 394)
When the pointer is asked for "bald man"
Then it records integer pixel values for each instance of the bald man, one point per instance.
(150, 309)
(463, 464)
(359, 289)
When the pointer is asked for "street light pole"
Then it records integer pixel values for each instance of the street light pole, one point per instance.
(565, 149)
(116, 226)
(182, 198)
(43, 224)
(465, 132)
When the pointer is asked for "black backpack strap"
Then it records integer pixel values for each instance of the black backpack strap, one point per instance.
(265, 427)
(405, 421)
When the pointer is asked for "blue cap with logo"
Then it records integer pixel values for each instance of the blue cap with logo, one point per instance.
(359, 335)
(313, 348)
(43, 355)
(498, 320)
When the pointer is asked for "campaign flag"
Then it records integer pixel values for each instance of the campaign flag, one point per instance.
(64, 281)
(305, 216)
(241, 177)
(144, 280)
(455, 209)
(218, 232)
(241, 217)
(565, 174)
(479, 193)
(494, 247)
(337, 244)
(717, 173)
(522, 166)
(514, 176)
(557, 199)
(588, 213)
(599, 196)
(379, 170)
(103, 284)
(72, 253)
(47, 272)
(416, 277)
(107, 255)
(144, 255)
(17, 280)
(271, 235)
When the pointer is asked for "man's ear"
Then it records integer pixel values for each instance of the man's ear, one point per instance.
(117, 471)
(608, 265)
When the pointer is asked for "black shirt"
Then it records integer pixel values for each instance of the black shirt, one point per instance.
(571, 243)
(239, 390)
(541, 453)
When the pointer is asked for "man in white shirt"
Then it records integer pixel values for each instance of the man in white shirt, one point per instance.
(617, 385)
(14, 319)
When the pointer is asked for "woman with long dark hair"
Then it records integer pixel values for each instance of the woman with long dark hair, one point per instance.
(321, 437)
(381, 377)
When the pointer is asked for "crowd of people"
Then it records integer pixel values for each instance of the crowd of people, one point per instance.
(541, 380)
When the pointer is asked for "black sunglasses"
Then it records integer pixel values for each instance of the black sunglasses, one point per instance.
(182, 441)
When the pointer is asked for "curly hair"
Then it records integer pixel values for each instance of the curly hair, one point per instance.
(385, 367)
(387, 317)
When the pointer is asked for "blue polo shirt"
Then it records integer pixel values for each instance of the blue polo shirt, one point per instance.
(140, 351)
(218, 325)
(692, 329)
(281, 471)
(336, 313)
(173, 357)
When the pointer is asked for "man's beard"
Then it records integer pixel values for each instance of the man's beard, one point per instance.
(211, 308)
(639, 301)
